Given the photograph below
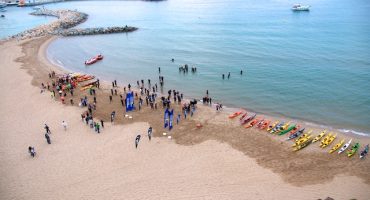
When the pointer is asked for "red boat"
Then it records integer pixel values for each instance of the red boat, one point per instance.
(94, 60)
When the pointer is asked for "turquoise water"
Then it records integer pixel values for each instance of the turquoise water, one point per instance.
(312, 66)
(18, 19)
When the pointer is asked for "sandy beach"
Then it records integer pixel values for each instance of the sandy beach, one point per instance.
(219, 161)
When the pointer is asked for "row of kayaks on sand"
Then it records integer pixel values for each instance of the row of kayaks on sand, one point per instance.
(299, 135)
(82, 80)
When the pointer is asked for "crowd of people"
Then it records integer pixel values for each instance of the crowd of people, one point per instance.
(65, 85)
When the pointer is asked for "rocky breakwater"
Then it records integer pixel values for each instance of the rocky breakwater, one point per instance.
(94, 31)
(66, 19)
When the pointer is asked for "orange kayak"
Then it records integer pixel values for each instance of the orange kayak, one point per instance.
(235, 114)
(295, 129)
(265, 124)
(244, 115)
(254, 122)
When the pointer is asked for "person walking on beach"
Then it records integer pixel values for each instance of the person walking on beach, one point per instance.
(150, 131)
(64, 124)
(47, 138)
(102, 123)
(47, 129)
(137, 140)
(110, 98)
(32, 151)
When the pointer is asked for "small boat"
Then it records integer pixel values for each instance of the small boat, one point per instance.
(254, 122)
(317, 138)
(299, 7)
(94, 60)
(296, 134)
(329, 141)
(260, 123)
(244, 115)
(277, 127)
(336, 147)
(265, 124)
(345, 147)
(353, 150)
(302, 139)
(272, 126)
(303, 144)
(295, 129)
(325, 139)
(364, 152)
(247, 119)
(235, 114)
(291, 127)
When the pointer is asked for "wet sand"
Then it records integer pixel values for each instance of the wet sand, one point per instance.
(221, 160)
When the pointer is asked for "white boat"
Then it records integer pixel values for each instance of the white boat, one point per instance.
(299, 7)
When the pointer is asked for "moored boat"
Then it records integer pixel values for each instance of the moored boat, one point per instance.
(364, 152)
(272, 126)
(337, 146)
(94, 60)
(317, 138)
(299, 7)
(265, 124)
(235, 114)
(254, 122)
(353, 150)
(291, 127)
(345, 146)
(247, 119)
(329, 141)
(296, 134)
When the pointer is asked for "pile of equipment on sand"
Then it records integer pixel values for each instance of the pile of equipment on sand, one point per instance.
(300, 137)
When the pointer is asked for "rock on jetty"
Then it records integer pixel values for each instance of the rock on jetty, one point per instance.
(66, 20)
(93, 31)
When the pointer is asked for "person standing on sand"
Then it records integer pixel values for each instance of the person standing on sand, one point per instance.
(98, 127)
(223, 76)
(137, 140)
(32, 151)
(112, 116)
(159, 69)
(47, 138)
(150, 130)
(110, 98)
(241, 72)
(228, 76)
(47, 129)
(102, 123)
(64, 124)
(115, 83)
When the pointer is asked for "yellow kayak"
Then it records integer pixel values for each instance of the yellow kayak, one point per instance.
(272, 126)
(326, 138)
(303, 144)
(317, 138)
(302, 140)
(329, 141)
(337, 146)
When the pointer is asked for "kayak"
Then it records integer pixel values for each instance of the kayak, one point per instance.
(305, 137)
(283, 127)
(235, 114)
(353, 150)
(254, 122)
(260, 123)
(295, 129)
(272, 126)
(345, 146)
(242, 117)
(291, 127)
(329, 141)
(296, 134)
(317, 138)
(265, 124)
(277, 127)
(303, 145)
(247, 119)
(364, 152)
(94, 60)
(336, 147)
(326, 138)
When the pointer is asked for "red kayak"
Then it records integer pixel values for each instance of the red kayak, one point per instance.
(94, 60)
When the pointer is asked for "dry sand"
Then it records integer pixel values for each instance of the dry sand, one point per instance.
(219, 161)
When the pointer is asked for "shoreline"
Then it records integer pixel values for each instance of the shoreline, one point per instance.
(203, 119)
(221, 146)
(317, 127)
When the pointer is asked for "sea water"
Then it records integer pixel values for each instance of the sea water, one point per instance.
(312, 66)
